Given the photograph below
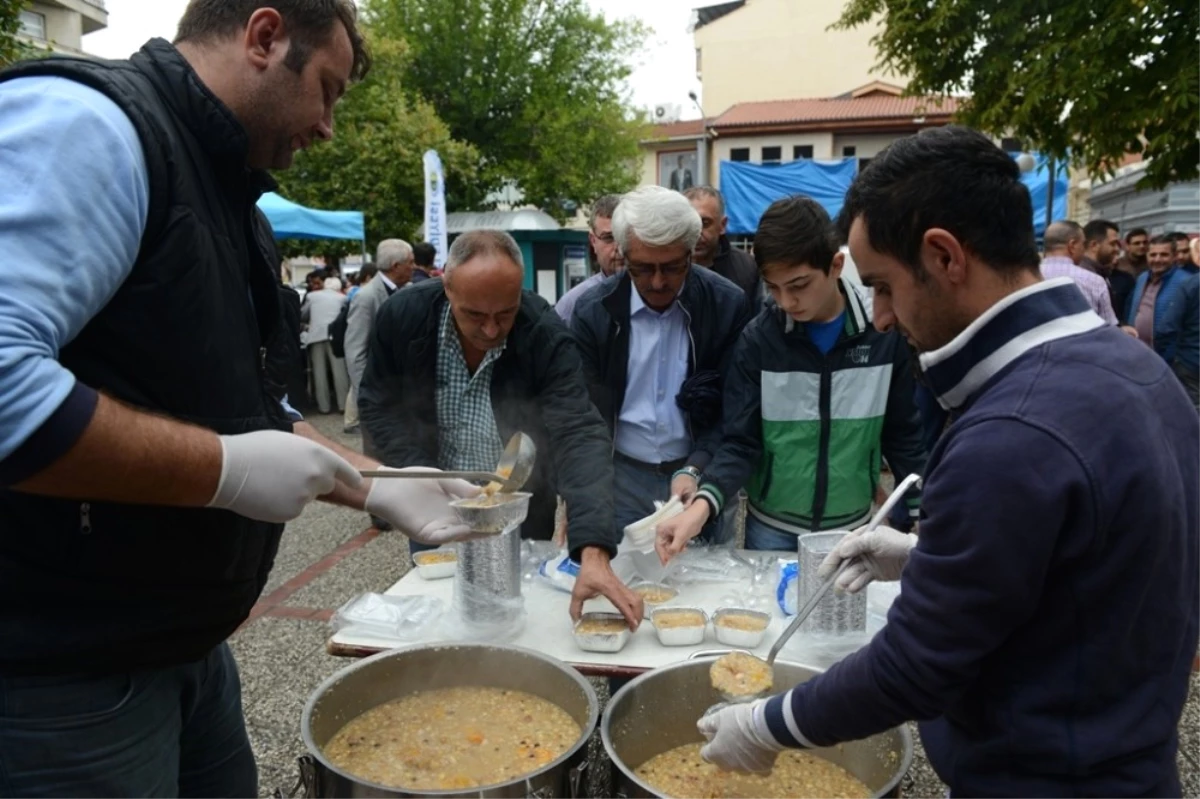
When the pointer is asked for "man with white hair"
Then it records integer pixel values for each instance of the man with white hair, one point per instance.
(395, 262)
(458, 365)
(319, 311)
(656, 342)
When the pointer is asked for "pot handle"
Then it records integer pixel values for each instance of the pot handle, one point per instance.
(576, 778)
(306, 784)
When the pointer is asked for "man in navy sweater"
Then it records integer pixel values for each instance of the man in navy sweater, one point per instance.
(1047, 621)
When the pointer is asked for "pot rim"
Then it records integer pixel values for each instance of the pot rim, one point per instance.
(343, 673)
(906, 754)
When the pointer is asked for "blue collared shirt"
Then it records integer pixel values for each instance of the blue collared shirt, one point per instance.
(650, 427)
(72, 211)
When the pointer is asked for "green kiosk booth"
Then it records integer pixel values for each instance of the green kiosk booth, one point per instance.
(556, 258)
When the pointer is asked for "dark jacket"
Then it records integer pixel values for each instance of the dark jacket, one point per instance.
(537, 388)
(101, 586)
(1120, 285)
(716, 310)
(1048, 619)
(739, 267)
(819, 470)
(1172, 280)
(1181, 324)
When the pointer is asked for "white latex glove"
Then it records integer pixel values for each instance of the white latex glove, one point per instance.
(737, 738)
(882, 554)
(270, 475)
(421, 508)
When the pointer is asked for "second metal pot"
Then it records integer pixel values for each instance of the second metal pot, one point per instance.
(658, 711)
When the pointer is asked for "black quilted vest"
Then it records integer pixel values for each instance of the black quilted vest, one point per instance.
(103, 587)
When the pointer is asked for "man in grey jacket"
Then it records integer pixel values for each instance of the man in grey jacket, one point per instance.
(394, 260)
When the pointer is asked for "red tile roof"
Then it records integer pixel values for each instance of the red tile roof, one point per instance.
(873, 107)
(691, 127)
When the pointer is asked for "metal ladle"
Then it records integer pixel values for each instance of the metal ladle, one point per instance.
(803, 612)
(511, 474)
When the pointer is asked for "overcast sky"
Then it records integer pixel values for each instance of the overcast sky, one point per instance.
(664, 71)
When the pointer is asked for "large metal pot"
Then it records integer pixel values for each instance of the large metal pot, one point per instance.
(400, 672)
(658, 711)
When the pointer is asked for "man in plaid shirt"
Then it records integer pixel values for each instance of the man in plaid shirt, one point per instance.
(457, 366)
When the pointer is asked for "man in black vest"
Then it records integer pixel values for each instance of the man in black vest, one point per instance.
(147, 459)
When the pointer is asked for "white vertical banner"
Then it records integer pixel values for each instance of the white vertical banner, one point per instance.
(435, 206)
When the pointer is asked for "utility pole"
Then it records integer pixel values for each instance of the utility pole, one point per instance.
(701, 145)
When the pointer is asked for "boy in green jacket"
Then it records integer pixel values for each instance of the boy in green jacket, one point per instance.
(814, 397)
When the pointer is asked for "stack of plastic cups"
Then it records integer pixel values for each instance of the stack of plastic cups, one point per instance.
(487, 587)
(836, 613)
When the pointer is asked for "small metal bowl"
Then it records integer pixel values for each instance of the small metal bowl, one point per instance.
(493, 514)
(683, 635)
(602, 641)
(665, 590)
(748, 639)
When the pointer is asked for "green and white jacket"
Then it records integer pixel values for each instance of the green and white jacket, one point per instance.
(804, 432)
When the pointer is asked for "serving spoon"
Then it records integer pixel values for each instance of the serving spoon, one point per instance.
(511, 474)
(803, 612)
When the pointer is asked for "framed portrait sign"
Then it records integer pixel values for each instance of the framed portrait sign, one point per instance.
(677, 169)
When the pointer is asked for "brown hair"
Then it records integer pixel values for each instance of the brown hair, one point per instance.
(310, 23)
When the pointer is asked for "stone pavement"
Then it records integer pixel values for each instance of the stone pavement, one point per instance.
(329, 555)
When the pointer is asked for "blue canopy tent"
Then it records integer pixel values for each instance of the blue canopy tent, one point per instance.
(1037, 180)
(750, 188)
(293, 221)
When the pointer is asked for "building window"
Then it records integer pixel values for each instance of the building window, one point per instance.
(772, 155)
(697, 62)
(1011, 145)
(739, 154)
(33, 25)
(849, 151)
(802, 151)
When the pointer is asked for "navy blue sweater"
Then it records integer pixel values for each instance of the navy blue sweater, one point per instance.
(1048, 615)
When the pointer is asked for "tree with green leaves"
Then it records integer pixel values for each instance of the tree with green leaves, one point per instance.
(374, 162)
(1084, 80)
(537, 86)
(11, 48)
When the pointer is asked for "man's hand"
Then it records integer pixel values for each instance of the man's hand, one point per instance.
(685, 487)
(672, 536)
(882, 554)
(421, 508)
(1129, 330)
(737, 738)
(596, 578)
(270, 475)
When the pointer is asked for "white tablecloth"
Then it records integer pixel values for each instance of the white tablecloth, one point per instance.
(548, 628)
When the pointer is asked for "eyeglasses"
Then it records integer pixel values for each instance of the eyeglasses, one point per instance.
(648, 270)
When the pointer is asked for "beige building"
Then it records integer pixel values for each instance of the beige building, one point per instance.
(755, 50)
(856, 124)
(61, 24)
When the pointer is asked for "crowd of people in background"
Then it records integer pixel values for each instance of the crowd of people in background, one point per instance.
(1146, 285)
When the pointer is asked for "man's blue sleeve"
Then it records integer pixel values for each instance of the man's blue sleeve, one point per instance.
(72, 213)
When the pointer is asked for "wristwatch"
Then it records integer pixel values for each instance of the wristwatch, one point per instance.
(690, 471)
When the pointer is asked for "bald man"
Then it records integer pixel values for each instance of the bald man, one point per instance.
(456, 366)
(1064, 243)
